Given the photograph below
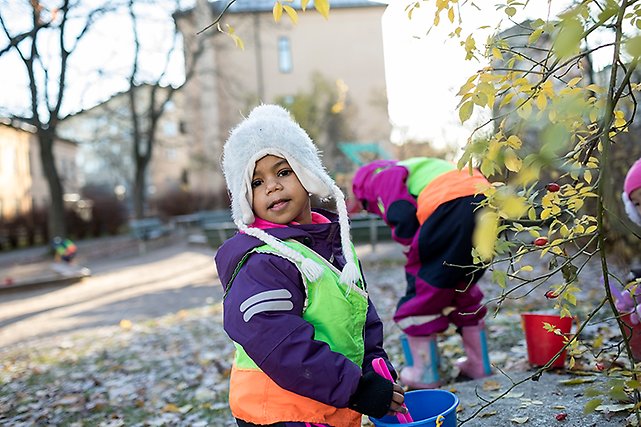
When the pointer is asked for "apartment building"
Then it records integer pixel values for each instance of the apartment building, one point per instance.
(23, 185)
(281, 60)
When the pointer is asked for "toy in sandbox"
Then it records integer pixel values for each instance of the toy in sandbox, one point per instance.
(628, 304)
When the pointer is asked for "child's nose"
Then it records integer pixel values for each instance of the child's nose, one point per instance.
(273, 185)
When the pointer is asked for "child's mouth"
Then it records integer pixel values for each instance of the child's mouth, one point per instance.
(278, 205)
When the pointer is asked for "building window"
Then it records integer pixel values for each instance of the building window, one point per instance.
(171, 154)
(284, 55)
(170, 128)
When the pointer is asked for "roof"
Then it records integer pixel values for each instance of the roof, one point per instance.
(244, 6)
(17, 124)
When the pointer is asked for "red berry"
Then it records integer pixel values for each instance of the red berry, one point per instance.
(541, 241)
(553, 187)
(551, 295)
(561, 416)
(600, 366)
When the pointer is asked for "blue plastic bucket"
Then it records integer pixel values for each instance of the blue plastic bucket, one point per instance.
(425, 406)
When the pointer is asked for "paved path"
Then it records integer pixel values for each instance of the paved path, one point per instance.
(139, 287)
(135, 288)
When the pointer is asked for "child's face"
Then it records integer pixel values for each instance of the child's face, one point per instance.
(278, 195)
(635, 197)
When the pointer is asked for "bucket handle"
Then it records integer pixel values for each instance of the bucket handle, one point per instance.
(380, 367)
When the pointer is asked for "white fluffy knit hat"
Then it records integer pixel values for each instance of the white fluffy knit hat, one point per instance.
(269, 129)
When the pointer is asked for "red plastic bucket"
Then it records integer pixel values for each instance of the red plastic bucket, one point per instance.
(542, 345)
(633, 333)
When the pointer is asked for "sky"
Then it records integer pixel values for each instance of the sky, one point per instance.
(423, 72)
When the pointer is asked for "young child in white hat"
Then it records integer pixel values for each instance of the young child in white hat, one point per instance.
(632, 192)
(295, 304)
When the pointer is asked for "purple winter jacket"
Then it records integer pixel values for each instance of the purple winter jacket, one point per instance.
(281, 342)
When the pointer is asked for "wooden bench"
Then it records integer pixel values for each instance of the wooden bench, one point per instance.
(148, 228)
(365, 228)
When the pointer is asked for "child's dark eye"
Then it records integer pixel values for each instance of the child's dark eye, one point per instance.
(285, 172)
(256, 183)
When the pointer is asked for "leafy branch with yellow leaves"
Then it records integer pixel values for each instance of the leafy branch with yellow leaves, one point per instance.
(547, 148)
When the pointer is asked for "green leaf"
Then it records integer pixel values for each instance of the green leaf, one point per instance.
(592, 405)
(500, 277)
(465, 112)
(568, 39)
(633, 46)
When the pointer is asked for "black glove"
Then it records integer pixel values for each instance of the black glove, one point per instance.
(373, 395)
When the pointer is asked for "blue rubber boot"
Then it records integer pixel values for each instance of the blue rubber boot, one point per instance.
(422, 362)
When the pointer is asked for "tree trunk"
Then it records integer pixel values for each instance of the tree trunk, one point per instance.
(56, 217)
(139, 195)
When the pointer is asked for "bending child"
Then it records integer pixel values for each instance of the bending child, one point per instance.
(430, 207)
(295, 304)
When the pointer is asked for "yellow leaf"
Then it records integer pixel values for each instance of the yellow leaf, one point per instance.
(535, 35)
(527, 268)
(170, 407)
(291, 13)
(514, 207)
(512, 161)
(525, 110)
(485, 233)
(126, 324)
(277, 11)
(303, 4)
(574, 81)
(237, 41)
(496, 54)
(565, 232)
(514, 141)
(541, 102)
(450, 14)
(506, 99)
(322, 6)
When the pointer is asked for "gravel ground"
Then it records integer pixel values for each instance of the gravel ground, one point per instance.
(152, 368)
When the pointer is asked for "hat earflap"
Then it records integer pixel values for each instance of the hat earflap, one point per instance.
(350, 274)
(630, 209)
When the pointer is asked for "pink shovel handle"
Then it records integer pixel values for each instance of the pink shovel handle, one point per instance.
(380, 367)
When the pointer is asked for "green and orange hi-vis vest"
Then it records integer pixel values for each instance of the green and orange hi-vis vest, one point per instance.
(338, 314)
(435, 181)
